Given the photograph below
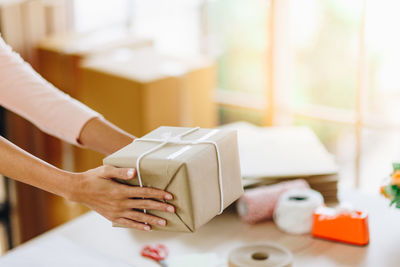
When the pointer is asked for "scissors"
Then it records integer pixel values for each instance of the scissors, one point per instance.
(157, 253)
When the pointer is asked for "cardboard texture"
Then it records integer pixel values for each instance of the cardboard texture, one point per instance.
(140, 90)
(189, 172)
(60, 55)
(167, 90)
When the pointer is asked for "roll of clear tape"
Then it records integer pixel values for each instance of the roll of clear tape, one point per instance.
(294, 212)
(260, 255)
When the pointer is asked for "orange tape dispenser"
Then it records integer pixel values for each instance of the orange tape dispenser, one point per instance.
(348, 226)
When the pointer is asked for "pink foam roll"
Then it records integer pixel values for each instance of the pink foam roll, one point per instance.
(258, 204)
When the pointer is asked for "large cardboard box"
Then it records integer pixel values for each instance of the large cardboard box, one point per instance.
(140, 90)
(59, 58)
(60, 55)
(200, 167)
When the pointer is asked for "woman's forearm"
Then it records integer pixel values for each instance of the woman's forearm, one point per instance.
(97, 134)
(104, 137)
(94, 188)
(24, 167)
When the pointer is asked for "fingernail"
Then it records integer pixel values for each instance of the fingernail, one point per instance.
(130, 173)
(147, 228)
(168, 197)
(162, 222)
(170, 209)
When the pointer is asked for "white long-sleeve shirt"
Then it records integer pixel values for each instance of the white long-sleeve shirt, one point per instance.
(25, 92)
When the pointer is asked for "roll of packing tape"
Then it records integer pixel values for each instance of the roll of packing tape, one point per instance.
(294, 211)
(261, 255)
(258, 204)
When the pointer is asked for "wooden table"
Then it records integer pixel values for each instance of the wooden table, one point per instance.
(93, 235)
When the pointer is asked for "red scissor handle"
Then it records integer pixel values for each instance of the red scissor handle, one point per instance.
(157, 253)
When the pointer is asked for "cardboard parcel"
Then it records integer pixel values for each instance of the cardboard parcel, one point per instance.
(200, 167)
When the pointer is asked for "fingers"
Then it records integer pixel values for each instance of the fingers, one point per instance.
(146, 192)
(120, 173)
(148, 204)
(131, 192)
(144, 218)
(140, 220)
(123, 191)
(132, 224)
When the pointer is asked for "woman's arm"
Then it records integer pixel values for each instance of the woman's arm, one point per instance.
(104, 137)
(26, 93)
(94, 188)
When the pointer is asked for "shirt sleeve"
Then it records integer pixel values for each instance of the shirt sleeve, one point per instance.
(25, 92)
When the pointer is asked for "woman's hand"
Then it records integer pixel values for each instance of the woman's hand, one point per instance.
(117, 202)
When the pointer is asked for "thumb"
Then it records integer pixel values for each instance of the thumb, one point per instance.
(119, 173)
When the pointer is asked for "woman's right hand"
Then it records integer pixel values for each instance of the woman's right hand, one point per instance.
(118, 202)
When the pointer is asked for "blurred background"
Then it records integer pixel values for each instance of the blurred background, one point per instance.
(327, 64)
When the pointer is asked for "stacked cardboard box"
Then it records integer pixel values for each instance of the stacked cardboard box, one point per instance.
(141, 89)
(60, 55)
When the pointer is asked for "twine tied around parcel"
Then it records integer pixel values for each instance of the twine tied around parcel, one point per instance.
(168, 139)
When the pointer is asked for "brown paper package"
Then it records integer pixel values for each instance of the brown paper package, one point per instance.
(189, 172)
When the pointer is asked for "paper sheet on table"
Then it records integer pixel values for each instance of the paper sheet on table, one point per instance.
(58, 251)
(288, 151)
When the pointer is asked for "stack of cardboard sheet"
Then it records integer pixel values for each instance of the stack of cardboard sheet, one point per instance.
(273, 154)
